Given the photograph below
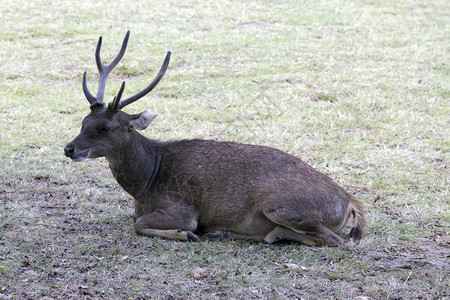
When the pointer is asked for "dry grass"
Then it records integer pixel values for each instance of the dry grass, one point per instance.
(359, 90)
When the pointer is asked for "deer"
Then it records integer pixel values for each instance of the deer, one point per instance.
(195, 189)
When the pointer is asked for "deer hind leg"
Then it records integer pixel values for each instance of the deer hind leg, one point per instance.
(301, 227)
(323, 237)
(157, 224)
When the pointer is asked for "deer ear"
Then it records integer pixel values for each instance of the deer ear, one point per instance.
(142, 120)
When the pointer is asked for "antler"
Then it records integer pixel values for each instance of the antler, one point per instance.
(104, 71)
(150, 87)
(117, 105)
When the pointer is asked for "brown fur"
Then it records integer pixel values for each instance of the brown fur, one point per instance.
(252, 192)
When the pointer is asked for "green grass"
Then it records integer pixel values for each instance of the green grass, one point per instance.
(359, 90)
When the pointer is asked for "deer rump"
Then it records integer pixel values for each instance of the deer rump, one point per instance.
(218, 189)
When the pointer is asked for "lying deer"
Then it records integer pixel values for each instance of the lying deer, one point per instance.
(219, 189)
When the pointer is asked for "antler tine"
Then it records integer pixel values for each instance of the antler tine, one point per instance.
(104, 70)
(88, 95)
(151, 86)
(114, 106)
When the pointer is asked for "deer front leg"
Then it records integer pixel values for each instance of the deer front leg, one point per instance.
(162, 225)
(170, 234)
(215, 236)
(138, 211)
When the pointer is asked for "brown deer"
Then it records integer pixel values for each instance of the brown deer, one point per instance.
(190, 188)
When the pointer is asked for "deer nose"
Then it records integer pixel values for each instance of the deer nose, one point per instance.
(69, 151)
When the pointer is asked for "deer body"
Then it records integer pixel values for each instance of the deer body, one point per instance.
(214, 189)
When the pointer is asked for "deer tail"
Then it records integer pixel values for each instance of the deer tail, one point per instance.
(358, 211)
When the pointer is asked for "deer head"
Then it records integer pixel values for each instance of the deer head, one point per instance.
(107, 128)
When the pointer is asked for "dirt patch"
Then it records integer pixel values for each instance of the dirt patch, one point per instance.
(418, 255)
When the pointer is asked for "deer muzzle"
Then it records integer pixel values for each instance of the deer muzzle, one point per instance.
(71, 152)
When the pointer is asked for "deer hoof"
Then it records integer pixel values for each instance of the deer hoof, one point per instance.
(271, 240)
(191, 237)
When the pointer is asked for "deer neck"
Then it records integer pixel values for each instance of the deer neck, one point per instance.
(135, 165)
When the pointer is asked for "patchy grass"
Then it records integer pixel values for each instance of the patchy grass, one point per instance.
(359, 90)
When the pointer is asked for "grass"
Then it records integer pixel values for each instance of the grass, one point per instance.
(359, 90)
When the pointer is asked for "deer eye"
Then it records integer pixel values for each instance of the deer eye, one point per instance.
(103, 130)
